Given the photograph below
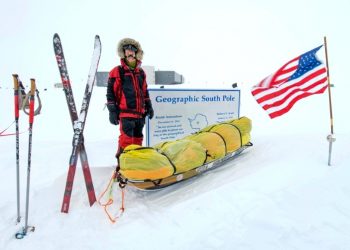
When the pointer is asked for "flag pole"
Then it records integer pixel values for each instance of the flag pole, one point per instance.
(331, 137)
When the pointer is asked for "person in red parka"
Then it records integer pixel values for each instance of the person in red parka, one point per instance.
(128, 100)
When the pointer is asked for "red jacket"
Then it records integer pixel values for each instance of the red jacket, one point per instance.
(128, 90)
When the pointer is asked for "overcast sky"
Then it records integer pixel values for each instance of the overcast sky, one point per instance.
(209, 42)
(206, 41)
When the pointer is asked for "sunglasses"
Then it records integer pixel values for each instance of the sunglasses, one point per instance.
(130, 47)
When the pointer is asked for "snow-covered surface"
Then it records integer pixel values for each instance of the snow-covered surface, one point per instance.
(279, 194)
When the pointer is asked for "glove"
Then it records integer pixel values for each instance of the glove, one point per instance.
(114, 112)
(148, 109)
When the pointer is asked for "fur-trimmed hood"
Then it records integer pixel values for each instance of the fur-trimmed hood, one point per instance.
(126, 41)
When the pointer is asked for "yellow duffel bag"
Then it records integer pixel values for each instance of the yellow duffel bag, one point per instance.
(244, 124)
(184, 154)
(229, 132)
(141, 163)
(212, 142)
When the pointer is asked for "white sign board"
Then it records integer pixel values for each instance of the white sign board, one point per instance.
(181, 112)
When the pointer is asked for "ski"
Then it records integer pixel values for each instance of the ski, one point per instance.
(78, 141)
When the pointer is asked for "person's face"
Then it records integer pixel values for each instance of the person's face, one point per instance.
(130, 55)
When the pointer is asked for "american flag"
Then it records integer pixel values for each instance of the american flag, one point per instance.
(303, 76)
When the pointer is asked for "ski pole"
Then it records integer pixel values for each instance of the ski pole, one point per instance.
(16, 87)
(23, 233)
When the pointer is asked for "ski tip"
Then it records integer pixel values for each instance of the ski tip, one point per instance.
(56, 39)
(97, 42)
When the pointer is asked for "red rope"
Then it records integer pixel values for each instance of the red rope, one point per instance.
(2, 132)
(105, 206)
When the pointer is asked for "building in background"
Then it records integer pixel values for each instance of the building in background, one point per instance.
(154, 77)
(150, 74)
(168, 77)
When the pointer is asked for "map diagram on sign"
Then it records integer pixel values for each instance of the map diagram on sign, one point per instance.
(198, 122)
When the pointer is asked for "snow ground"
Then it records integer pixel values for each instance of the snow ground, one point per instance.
(279, 194)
